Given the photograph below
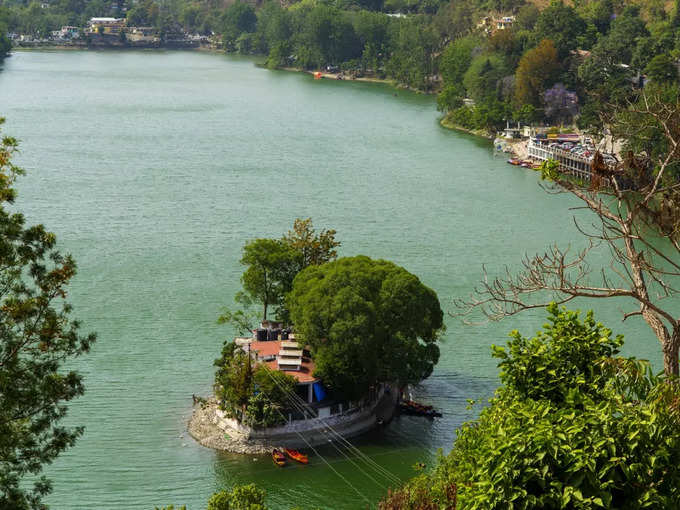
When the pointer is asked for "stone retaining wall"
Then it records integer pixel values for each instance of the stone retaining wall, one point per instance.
(303, 433)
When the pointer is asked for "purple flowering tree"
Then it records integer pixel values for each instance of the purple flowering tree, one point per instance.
(561, 105)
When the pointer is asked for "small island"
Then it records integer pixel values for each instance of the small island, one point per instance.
(350, 334)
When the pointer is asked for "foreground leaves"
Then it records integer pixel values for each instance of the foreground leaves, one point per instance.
(37, 337)
(573, 426)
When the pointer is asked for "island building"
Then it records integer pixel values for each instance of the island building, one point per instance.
(280, 350)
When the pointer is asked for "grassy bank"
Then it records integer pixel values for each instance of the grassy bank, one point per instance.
(449, 124)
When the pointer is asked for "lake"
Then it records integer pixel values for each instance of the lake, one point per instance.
(154, 168)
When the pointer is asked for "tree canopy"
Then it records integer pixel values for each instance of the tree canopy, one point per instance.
(536, 69)
(239, 497)
(367, 321)
(271, 266)
(314, 249)
(572, 426)
(38, 338)
(252, 393)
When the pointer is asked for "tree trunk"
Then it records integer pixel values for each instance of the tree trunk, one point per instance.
(670, 348)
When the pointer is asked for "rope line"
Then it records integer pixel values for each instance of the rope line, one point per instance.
(303, 407)
(361, 494)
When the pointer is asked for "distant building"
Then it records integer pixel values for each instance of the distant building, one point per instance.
(505, 22)
(142, 34)
(484, 24)
(108, 26)
(66, 32)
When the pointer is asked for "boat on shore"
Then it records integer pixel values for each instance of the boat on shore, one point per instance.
(279, 458)
(416, 409)
(296, 455)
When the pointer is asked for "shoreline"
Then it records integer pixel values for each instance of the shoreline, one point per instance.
(202, 428)
(72, 47)
(443, 122)
(447, 124)
(334, 76)
(211, 428)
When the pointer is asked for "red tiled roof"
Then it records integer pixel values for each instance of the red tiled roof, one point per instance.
(304, 375)
(266, 348)
(272, 348)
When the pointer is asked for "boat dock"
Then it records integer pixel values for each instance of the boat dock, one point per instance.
(570, 163)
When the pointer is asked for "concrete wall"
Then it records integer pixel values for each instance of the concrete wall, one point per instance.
(314, 431)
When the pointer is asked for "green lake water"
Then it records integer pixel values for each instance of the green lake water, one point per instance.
(154, 168)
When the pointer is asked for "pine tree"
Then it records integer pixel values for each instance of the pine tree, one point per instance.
(37, 337)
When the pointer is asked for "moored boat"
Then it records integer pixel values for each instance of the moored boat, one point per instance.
(296, 455)
(414, 408)
(279, 458)
(514, 161)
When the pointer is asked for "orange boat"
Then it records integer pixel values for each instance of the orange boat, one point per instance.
(296, 455)
(279, 458)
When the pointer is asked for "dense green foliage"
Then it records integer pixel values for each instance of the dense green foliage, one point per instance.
(37, 338)
(594, 51)
(573, 426)
(5, 44)
(271, 266)
(655, 135)
(367, 321)
(254, 394)
(240, 497)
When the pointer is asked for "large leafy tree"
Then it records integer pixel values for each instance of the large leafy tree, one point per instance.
(562, 24)
(240, 497)
(367, 321)
(536, 70)
(412, 60)
(662, 69)
(624, 34)
(313, 248)
(239, 18)
(37, 338)
(252, 393)
(573, 426)
(482, 78)
(5, 43)
(271, 265)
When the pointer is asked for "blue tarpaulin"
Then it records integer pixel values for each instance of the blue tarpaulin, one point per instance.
(319, 391)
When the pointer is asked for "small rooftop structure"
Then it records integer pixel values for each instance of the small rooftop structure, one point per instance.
(106, 20)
